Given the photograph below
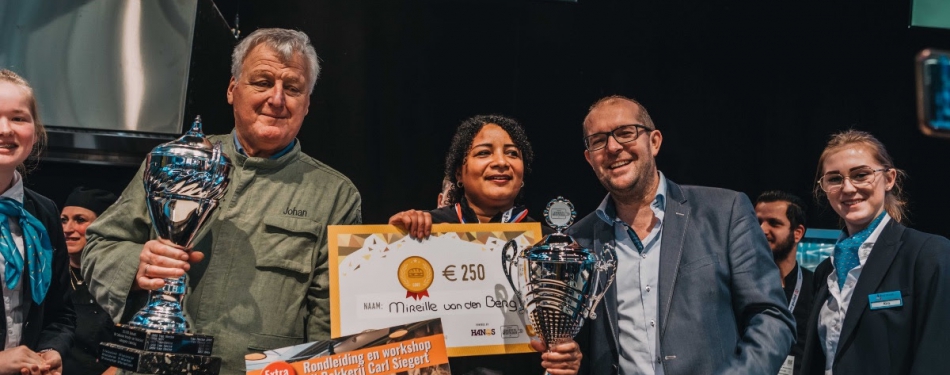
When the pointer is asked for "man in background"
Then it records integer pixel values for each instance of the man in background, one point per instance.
(782, 217)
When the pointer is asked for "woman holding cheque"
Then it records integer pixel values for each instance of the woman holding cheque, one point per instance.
(882, 299)
(486, 164)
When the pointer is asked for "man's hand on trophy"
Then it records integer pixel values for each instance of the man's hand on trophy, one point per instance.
(562, 359)
(161, 259)
(418, 223)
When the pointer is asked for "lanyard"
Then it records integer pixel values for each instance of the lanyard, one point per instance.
(507, 215)
(798, 290)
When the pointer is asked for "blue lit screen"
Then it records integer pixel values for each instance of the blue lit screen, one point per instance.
(817, 245)
(937, 91)
(931, 13)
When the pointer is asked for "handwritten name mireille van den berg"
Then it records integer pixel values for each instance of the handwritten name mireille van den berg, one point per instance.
(490, 301)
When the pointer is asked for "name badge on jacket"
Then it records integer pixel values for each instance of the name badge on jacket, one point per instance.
(885, 300)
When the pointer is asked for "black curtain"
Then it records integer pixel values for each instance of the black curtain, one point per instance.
(746, 95)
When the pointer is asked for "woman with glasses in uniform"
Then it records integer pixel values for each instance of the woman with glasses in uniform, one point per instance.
(882, 300)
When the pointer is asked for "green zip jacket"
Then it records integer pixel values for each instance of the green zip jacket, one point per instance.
(264, 282)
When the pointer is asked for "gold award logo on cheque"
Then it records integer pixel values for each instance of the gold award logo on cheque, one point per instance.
(416, 275)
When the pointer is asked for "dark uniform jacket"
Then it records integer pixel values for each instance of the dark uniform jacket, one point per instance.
(50, 324)
(910, 339)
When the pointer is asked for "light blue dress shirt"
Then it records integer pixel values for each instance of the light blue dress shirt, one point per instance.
(637, 278)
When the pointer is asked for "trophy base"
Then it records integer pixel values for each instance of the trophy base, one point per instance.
(151, 340)
(152, 362)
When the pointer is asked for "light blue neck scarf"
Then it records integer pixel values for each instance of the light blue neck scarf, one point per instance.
(846, 250)
(39, 252)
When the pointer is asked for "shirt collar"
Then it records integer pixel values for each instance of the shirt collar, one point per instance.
(872, 238)
(607, 211)
(880, 228)
(868, 245)
(15, 191)
(240, 149)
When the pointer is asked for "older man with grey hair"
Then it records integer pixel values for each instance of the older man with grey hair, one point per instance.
(258, 268)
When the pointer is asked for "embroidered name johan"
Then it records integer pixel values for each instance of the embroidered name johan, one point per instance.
(295, 212)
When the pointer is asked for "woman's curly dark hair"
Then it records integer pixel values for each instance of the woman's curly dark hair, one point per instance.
(462, 143)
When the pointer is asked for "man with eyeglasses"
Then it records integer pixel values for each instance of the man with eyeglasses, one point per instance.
(696, 289)
(782, 218)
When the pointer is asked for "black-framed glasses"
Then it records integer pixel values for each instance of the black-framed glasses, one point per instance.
(623, 134)
(859, 177)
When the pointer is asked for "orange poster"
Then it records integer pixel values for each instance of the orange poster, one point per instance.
(416, 347)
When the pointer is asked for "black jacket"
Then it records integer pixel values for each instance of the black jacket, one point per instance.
(50, 324)
(96, 327)
(909, 339)
(806, 296)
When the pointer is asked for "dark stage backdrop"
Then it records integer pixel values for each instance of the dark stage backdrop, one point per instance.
(745, 95)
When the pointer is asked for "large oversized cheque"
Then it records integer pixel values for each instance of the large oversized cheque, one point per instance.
(380, 277)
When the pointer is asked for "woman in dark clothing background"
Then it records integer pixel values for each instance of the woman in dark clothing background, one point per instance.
(82, 207)
(486, 165)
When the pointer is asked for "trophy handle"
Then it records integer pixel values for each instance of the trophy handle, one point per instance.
(606, 266)
(508, 255)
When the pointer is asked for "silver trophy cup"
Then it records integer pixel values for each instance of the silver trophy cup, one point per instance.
(558, 282)
(183, 181)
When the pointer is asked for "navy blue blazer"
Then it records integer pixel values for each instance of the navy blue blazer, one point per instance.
(48, 325)
(910, 339)
(721, 306)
